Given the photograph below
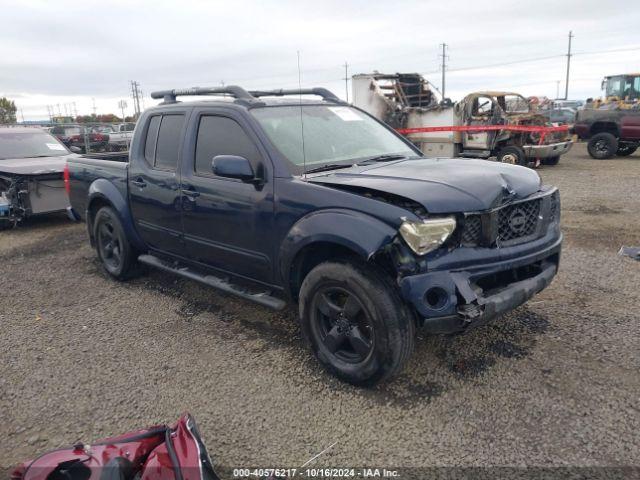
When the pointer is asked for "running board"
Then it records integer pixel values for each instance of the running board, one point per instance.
(262, 298)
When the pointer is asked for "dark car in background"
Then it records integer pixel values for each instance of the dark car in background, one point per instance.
(81, 137)
(31, 174)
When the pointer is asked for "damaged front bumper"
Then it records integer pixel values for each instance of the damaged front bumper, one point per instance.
(452, 299)
(547, 151)
(22, 196)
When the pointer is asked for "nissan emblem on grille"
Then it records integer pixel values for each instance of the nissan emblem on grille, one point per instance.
(517, 221)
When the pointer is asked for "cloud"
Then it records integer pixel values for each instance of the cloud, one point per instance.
(75, 51)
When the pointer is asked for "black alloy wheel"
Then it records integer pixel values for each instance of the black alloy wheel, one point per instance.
(110, 245)
(625, 150)
(354, 321)
(602, 146)
(117, 255)
(342, 324)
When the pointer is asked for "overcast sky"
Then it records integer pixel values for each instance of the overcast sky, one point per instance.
(57, 52)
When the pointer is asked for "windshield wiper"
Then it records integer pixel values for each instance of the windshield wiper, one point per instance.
(382, 158)
(327, 167)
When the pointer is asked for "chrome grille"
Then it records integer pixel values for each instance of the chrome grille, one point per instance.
(518, 221)
(472, 230)
(509, 225)
(554, 207)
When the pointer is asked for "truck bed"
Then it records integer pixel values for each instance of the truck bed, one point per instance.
(112, 156)
(105, 168)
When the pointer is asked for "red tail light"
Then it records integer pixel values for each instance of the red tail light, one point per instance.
(65, 175)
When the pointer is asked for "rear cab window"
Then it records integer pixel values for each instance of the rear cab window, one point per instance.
(162, 143)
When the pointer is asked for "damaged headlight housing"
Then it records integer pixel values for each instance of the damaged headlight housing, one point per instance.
(427, 235)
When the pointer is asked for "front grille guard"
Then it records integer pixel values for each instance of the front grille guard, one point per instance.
(493, 229)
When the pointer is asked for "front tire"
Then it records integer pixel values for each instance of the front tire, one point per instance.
(512, 155)
(356, 325)
(114, 250)
(602, 146)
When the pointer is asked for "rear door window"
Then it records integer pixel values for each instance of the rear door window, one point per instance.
(222, 136)
(150, 141)
(168, 143)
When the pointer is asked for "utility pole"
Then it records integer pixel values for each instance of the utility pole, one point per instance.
(444, 66)
(566, 86)
(557, 89)
(135, 94)
(22, 115)
(94, 106)
(346, 80)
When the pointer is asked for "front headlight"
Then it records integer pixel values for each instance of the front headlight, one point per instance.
(425, 236)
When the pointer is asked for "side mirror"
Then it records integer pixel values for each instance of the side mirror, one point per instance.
(233, 166)
(75, 149)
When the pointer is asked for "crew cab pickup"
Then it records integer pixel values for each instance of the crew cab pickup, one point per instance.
(316, 202)
(610, 130)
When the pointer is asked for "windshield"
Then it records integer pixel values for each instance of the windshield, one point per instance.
(625, 86)
(515, 104)
(332, 135)
(35, 143)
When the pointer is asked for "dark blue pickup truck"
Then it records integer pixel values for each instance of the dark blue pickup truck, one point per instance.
(276, 197)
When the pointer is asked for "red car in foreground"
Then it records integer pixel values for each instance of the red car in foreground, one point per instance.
(156, 453)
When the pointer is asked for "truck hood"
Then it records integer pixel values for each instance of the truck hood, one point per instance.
(34, 166)
(440, 185)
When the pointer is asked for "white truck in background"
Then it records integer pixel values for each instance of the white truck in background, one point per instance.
(508, 127)
(120, 136)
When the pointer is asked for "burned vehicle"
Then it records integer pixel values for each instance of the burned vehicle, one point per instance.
(482, 125)
(31, 174)
(344, 218)
(159, 452)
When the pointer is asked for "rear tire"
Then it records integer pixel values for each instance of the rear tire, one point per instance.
(512, 155)
(117, 255)
(602, 146)
(355, 323)
(551, 160)
(626, 150)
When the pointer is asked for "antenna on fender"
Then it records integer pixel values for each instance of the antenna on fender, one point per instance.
(304, 155)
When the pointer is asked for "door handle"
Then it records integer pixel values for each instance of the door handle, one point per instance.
(189, 192)
(139, 182)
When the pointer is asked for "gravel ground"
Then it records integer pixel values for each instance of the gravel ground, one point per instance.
(554, 383)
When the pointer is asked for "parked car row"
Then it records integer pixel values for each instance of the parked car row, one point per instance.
(95, 138)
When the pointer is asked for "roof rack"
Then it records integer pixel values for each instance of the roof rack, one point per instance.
(169, 96)
(251, 98)
(321, 92)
